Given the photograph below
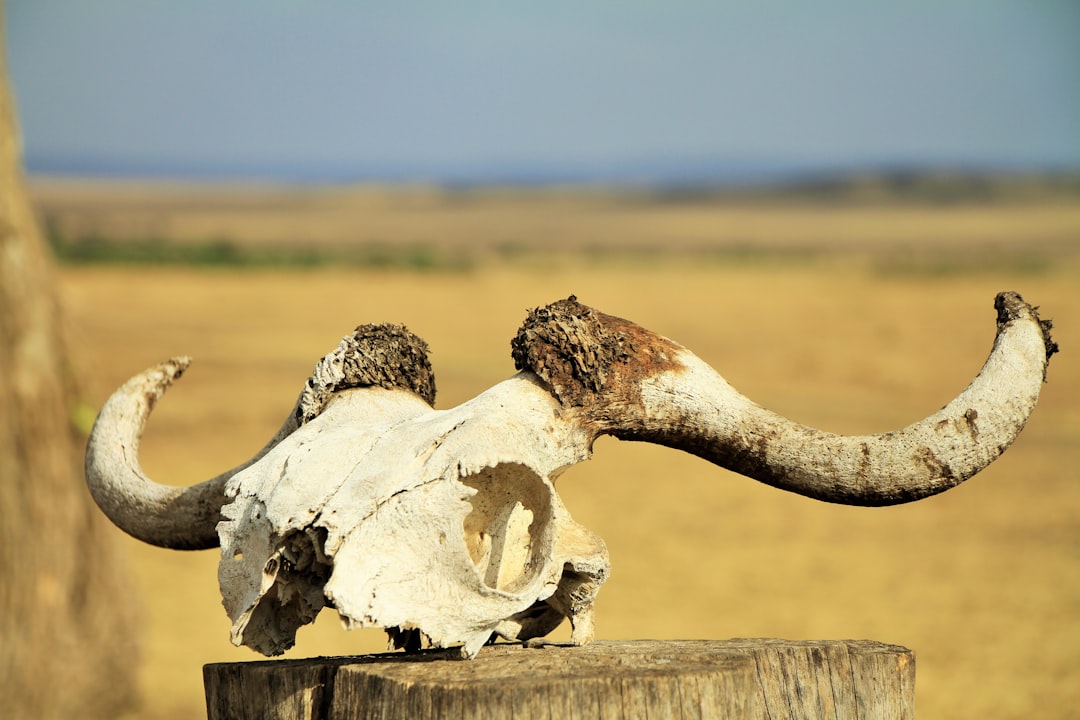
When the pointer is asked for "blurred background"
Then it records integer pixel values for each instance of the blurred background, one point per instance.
(820, 200)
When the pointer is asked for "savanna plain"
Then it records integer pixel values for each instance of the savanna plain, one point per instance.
(855, 315)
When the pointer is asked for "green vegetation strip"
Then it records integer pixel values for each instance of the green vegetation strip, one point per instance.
(428, 258)
(226, 254)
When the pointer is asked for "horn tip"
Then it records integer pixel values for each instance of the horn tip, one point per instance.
(175, 366)
(1011, 306)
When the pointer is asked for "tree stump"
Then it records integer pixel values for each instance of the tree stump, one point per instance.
(739, 678)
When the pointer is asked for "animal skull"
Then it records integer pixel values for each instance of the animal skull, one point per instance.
(444, 527)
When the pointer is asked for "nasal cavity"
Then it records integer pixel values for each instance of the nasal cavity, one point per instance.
(509, 525)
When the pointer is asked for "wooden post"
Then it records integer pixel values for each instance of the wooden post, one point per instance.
(841, 679)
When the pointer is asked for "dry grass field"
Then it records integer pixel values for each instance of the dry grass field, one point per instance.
(982, 582)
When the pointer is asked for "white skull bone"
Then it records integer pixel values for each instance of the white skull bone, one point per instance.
(404, 517)
(445, 526)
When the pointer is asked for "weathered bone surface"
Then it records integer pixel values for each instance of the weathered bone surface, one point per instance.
(444, 527)
(400, 516)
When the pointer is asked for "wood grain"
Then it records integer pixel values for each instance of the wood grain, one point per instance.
(738, 678)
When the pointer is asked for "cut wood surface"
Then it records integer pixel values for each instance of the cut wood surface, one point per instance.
(740, 678)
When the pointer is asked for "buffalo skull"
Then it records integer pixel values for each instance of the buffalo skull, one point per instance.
(444, 527)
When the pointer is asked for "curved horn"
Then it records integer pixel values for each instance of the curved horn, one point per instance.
(180, 518)
(635, 385)
(186, 518)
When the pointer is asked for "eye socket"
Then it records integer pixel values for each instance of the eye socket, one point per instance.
(507, 527)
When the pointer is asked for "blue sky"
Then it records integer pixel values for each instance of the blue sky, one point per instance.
(435, 90)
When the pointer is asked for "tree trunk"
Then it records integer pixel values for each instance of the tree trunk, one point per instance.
(66, 646)
(734, 679)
